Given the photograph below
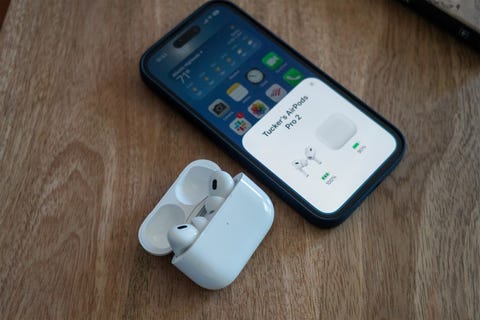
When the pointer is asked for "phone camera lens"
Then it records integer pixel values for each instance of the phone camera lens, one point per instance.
(187, 36)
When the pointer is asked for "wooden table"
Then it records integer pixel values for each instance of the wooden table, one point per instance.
(86, 150)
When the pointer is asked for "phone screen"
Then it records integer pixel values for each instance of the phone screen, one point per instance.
(267, 101)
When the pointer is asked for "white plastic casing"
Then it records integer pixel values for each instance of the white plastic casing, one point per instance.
(223, 248)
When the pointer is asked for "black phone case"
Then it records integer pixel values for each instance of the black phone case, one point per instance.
(310, 213)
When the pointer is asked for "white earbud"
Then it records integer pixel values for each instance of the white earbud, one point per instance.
(181, 237)
(310, 154)
(213, 203)
(221, 184)
(199, 222)
(300, 164)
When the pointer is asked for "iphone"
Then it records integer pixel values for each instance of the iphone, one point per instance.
(314, 143)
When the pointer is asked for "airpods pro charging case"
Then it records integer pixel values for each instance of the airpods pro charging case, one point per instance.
(232, 235)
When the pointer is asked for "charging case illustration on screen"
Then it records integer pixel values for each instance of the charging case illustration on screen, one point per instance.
(213, 223)
(335, 131)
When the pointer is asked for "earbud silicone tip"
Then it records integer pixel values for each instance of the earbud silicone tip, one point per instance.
(213, 203)
(199, 222)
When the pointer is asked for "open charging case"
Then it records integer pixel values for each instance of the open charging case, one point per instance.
(225, 245)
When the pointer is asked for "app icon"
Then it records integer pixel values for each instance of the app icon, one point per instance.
(258, 109)
(240, 125)
(293, 76)
(237, 92)
(255, 76)
(276, 92)
(219, 108)
(272, 61)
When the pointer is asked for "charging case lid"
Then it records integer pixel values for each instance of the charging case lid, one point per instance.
(180, 203)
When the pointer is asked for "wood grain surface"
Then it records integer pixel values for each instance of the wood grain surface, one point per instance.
(86, 151)
(3, 10)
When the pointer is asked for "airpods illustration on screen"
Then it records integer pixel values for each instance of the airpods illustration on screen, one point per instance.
(302, 163)
(310, 154)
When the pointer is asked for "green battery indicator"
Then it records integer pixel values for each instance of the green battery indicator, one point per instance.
(325, 176)
(355, 145)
